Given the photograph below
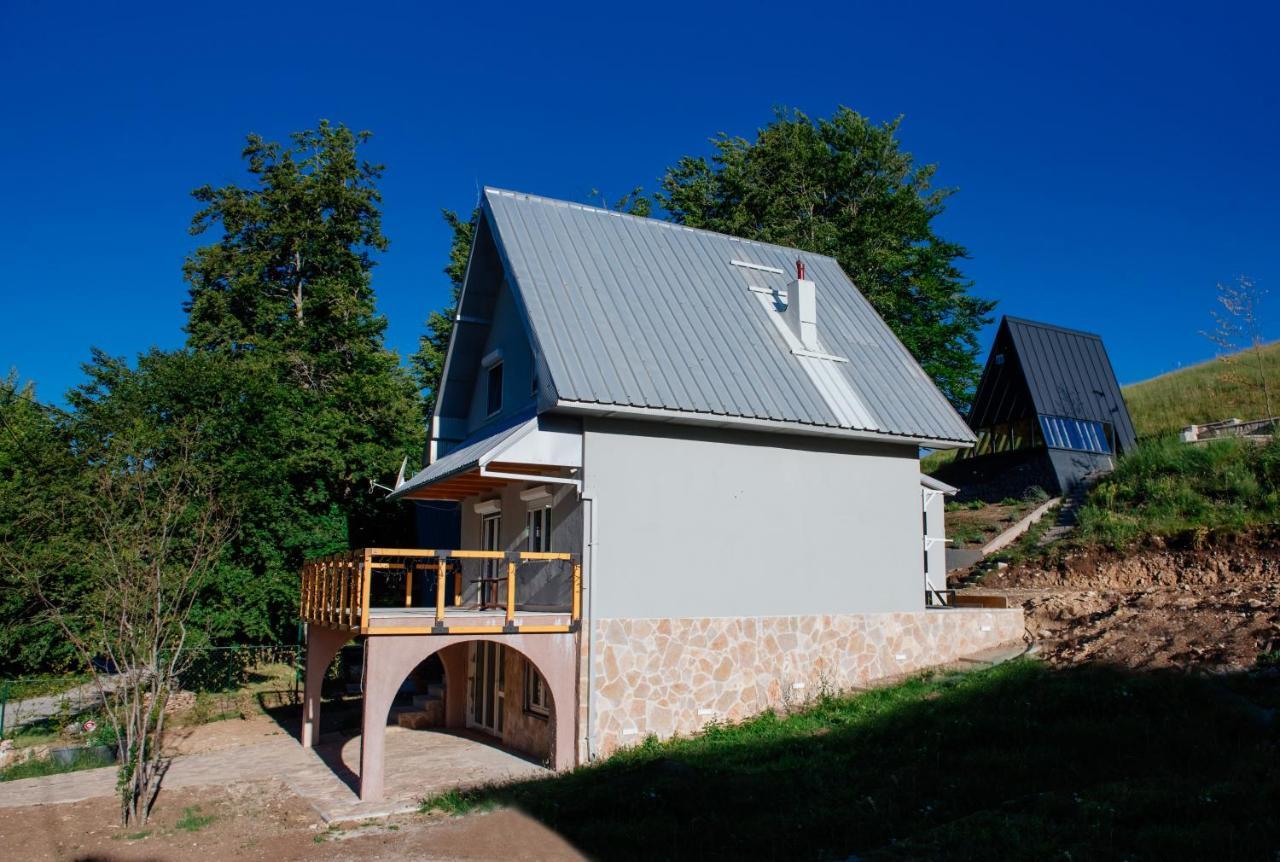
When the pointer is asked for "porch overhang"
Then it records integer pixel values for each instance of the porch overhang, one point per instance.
(541, 448)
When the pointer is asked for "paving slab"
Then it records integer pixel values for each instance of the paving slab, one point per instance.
(419, 764)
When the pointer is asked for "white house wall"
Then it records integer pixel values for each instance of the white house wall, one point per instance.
(566, 529)
(935, 528)
(697, 523)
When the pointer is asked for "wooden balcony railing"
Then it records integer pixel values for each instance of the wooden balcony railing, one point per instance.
(337, 590)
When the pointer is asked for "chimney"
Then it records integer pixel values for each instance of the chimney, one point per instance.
(802, 309)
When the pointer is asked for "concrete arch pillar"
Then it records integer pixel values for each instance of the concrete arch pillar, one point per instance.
(390, 658)
(322, 645)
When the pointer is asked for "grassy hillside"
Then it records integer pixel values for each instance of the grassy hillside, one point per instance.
(1204, 393)
(1166, 488)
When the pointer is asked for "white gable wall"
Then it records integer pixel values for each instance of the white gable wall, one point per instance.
(506, 333)
(711, 523)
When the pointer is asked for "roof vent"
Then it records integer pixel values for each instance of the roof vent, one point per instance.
(802, 309)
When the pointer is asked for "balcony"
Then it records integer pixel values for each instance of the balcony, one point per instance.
(399, 591)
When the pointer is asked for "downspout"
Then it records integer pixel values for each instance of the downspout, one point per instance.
(589, 499)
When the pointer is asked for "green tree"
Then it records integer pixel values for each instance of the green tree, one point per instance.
(310, 406)
(40, 486)
(843, 187)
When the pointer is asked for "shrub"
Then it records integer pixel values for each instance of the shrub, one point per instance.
(1166, 487)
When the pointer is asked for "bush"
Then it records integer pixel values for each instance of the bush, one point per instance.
(1166, 487)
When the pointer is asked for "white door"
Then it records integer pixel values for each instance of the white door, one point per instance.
(488, 678)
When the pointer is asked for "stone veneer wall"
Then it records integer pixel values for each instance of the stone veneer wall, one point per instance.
(524, 731)
(673, 676)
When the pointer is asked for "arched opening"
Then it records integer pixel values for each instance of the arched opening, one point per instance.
(509, 700)
(327, 678)
(486, 689)
(498, 714)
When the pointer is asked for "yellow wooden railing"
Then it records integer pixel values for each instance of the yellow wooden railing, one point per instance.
(336, 588)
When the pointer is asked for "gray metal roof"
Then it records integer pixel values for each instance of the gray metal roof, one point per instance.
(644, 313)
(1066, 372)
(466, 455)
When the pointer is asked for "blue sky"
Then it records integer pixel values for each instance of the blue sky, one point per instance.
(1112, 164)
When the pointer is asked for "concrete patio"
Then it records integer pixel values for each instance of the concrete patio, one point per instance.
(420, 763)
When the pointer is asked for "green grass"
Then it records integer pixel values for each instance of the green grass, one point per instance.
(192, 820)
(40, 767)
(1015, 762)
(1204, 393)
(1168, 488)
(934, 461)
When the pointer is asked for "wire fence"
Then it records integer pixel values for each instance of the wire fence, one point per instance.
(218, 682)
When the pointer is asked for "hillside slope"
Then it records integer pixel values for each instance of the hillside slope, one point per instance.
(1203, 393)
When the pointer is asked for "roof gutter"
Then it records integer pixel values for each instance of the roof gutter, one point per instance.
(682, 417)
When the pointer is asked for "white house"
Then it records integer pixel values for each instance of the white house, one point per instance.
(689, 478)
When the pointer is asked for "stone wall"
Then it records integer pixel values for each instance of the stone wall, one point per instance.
(673, 676)
(522, 730)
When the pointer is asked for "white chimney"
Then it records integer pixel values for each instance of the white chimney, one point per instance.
(802, 309)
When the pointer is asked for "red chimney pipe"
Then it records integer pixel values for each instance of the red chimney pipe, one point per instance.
(799, 269)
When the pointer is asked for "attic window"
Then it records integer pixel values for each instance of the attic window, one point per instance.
(493, 388)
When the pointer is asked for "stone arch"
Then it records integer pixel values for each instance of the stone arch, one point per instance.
(389, 659)
(323, 645)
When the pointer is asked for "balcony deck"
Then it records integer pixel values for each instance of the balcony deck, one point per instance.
(338, 593)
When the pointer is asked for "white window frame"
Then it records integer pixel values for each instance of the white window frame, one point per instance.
(537, 695)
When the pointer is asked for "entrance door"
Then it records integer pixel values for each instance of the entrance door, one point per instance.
(488, 678)
(490, 540)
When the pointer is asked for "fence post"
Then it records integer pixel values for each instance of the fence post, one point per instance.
(366, 573)
(441, 569)
(4, 704)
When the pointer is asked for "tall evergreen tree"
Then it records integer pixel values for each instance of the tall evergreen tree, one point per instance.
(282, 303)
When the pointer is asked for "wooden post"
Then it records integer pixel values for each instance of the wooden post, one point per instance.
(326, 569)
(364, 591)
(346, 595)
(457, 587)
(441, 568)
(511, 591)
(577, 591)
(409, 569)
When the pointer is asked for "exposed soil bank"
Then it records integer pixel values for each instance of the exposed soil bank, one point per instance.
(1206, 602)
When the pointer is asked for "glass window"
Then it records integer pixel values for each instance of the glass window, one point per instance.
(494, 390)
(1079, 435)
(536, 697)
(539, 522)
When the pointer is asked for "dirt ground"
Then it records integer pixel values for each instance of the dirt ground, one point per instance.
(1215, 607)
(264, 820)
(975, 527)
(229, 733)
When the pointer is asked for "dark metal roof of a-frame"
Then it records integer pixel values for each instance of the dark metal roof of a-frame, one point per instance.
(1066, 372)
